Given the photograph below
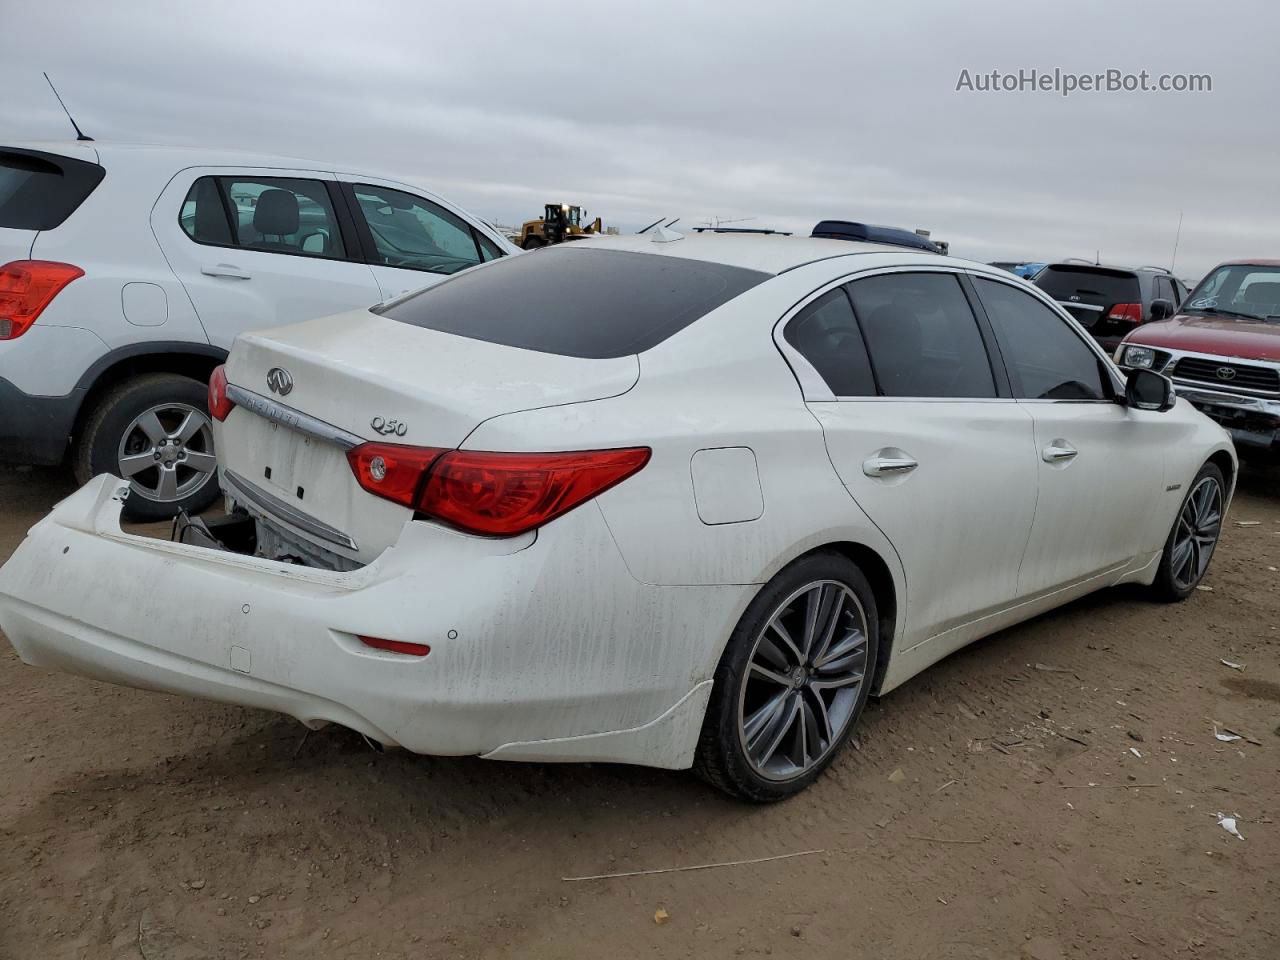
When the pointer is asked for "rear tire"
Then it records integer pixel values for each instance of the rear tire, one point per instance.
(154, 431)
(792, 681)
(1194, 537)
(533, 243)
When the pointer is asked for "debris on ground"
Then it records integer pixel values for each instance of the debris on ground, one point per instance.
(897, 776)
(1229, 824)
(1232, 664)
(660, 916)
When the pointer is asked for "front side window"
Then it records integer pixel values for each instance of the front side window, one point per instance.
(826, 334)
(273, 214)
(922, 337)
(411, 232)
(1046, 359)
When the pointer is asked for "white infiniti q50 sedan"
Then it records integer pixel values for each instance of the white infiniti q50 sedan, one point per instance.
(675, 501)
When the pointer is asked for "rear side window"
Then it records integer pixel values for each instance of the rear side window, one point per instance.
(922, 336)
(273, 214)
(826, 334)
(1045, 358)
(574, 302)
(1093, 285)
(38, 191)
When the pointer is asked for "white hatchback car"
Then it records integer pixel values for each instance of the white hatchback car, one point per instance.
(127, 271)
(669, 501)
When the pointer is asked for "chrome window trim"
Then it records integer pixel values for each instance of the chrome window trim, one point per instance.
(287, 416)
(238, 488)
(813, 388)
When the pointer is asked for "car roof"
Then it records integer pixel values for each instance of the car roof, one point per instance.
(178, 157)
(767, 253)
(1255, 262)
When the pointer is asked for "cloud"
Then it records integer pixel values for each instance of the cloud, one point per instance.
(785, 113)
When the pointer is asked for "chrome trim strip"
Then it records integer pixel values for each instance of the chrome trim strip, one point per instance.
(1197, 392)
(294, 419)
(1081, 306)
(238, 487)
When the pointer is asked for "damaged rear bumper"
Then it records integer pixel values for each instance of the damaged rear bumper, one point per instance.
(541, 647)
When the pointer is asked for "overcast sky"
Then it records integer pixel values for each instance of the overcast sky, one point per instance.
(785, 112)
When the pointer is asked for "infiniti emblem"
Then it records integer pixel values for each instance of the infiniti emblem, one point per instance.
(1226, 373)
(280, 381)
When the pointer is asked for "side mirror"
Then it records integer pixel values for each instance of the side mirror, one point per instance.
(1148, 390)
(1161, 310)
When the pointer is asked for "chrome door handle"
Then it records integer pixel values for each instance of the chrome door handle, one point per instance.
(225, 270)
(1058, 451)
(888, 466)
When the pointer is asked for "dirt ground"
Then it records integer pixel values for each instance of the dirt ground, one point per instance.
(995, 808)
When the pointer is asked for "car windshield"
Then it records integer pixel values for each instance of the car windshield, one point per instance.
(1239, 289)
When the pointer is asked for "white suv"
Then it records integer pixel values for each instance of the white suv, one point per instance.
(128, 270)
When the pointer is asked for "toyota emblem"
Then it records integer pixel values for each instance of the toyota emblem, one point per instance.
(1226, 373)
(280, 381)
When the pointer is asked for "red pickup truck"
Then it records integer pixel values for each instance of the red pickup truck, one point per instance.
(1222, 351)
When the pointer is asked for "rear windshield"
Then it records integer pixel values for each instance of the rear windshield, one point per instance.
(1095, 285)
(40, 190)
(576, 302)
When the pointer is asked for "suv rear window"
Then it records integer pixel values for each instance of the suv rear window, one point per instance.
(594, 304)
(1096, 285)
(40, 190)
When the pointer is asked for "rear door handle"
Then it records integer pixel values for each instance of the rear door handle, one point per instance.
(888, 466)
(225, 270)
(1058, 451)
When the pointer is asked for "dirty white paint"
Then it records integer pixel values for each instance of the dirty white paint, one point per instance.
(597, 637)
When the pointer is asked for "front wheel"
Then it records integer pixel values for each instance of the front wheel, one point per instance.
(1194, 537)
(792, 681)
(155, 432)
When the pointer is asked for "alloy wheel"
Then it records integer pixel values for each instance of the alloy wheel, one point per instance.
(803, 680)
(1199, 526)
(166, 453)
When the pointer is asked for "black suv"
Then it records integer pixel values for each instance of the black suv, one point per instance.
(1110, 301)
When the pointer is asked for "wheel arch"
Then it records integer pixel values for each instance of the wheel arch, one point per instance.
(1223, 460)
(194, 360)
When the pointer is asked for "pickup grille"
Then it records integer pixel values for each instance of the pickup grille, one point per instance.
(1246, 376)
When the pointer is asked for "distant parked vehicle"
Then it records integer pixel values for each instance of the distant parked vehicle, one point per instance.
(1019, 268)
(128, 270)
(1110, 301)
(1222, 351)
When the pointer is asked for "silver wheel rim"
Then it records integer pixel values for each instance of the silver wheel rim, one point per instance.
(166, 453)
(803, 680)
(1199, 526)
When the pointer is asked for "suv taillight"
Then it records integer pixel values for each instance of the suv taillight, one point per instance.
(493, 494)
(26, 287)
(1128, 312)
(219, 403)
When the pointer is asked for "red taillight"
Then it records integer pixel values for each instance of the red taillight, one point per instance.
(26, 287)
(393, 471)
(1128, 312)
(494, 494)
(219, 403)
(396, 646)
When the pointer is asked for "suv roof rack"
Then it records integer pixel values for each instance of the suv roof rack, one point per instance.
(1157, 269)
(781, 233)
(870, 233)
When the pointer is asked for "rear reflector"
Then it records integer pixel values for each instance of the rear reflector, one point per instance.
(396, 646)
(26, 288)
(1128, 312)
(492, 494)
(219, 403)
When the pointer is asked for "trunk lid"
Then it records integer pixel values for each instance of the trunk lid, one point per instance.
(375, 378)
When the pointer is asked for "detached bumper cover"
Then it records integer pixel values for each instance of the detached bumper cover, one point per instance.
(542, 648)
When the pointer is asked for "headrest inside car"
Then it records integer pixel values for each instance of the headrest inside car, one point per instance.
(276, 213)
